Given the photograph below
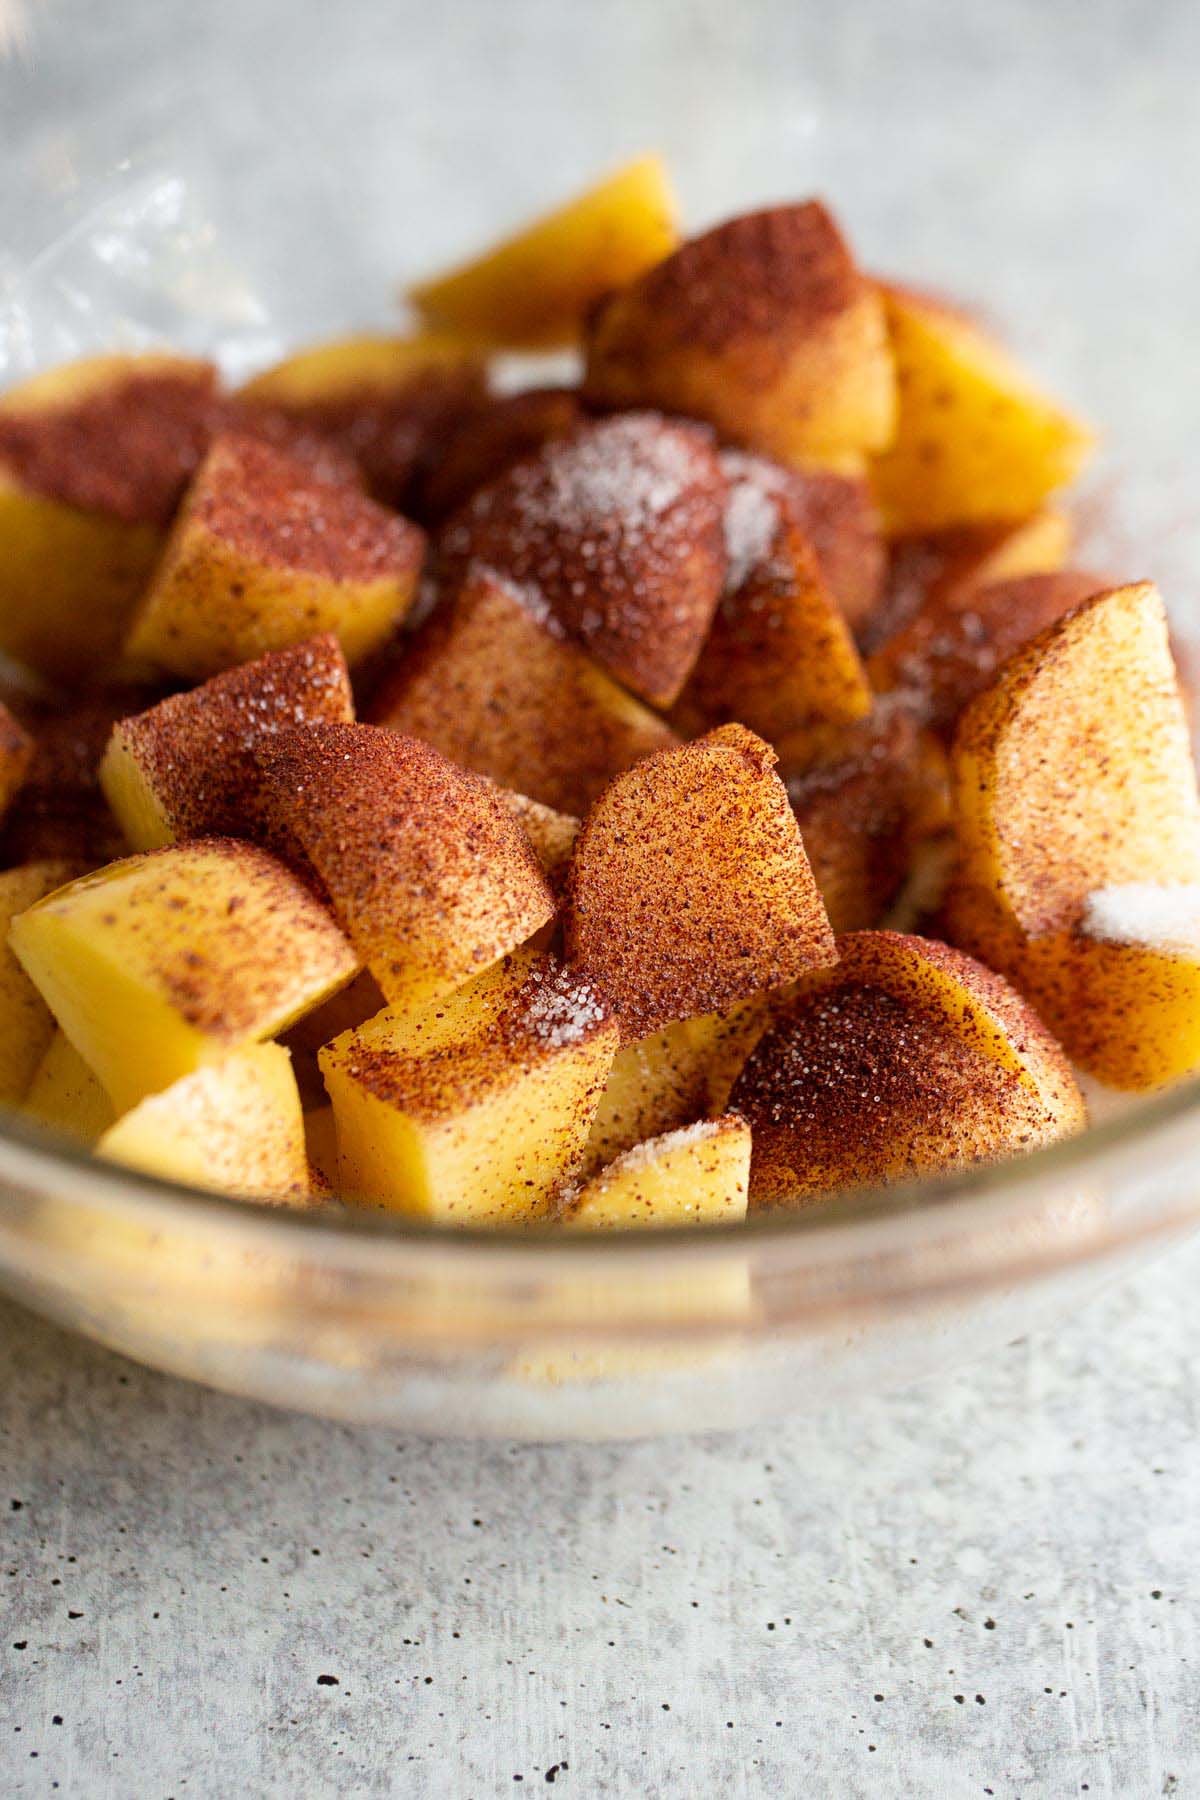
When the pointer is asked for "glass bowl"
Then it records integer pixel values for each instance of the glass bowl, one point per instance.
(240, 177)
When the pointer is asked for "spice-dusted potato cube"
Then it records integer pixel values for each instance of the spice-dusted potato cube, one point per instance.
(65, 1095)
(474, 1109)
(185, 767)
(234, 1125)
(94, 456)
(620, 528)
(389, 403)
(956, 644)
(1073, 780)
(535, 290)
(765, 328)
(689, 888)
(165, 961)
(779, 656)
(494, 684)
(837, 514)
(942, 568)
(496, 436)
(672, 1078)
(427, 868)
(975, 440)
(906, 1059)
(26, 1022)
(265, 554)
(696, 1175)
(873, 805)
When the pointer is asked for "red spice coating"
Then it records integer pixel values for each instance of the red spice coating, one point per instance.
(689, 888)
(854, 1087)
(126, 451)
(493, 682)
(195, 750)
(619, 525)
(59, 810)
(837, 515)
(491, 440)
(392, 434)
(274, 512)
(956, 643)
(427, 869)
(794, 266)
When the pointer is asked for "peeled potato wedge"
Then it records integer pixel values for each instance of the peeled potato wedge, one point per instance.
(163, 962)
(619, 526)
(765, 328)
(264, 555)
(491, 683)
(94, 455)
(389, 403)
(426, 866)
(975, 440)
(535, 290)
(779, 657)
(475, 1109)
(689, 888)
(698, 1175)
(185, 767)
(234, 1125)
(906, 1059)
(1073, 779)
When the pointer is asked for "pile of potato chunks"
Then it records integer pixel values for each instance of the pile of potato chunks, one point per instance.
(491, 807)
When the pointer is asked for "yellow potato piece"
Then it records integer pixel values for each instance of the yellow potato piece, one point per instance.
(697, 1175)
(344, 367)
(534, 291)
(672, 1077)
(1073, 778)
(71, 576)
(474, 1109)
(235, 1126)
(65, 1096)
(1074, 770)
(26, 1022)
(265, 555)
(975, 439)
(162, 962)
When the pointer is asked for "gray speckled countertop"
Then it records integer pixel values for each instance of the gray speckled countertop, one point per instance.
(984, 1586)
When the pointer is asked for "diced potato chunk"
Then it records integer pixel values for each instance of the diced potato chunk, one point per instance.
(165, 961)
(185, 768)
(425, 865)
(492, 685)
(975, 439)
(689, 888)
(93, 457)
(698, 1175)
(765, 328)
(388, 402)
(265, 554)
(906, 1059)
(475, 1109)
(26, 1022)
(1073, 778)
(534, 291)
(234, 1125)
(65, 1096)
